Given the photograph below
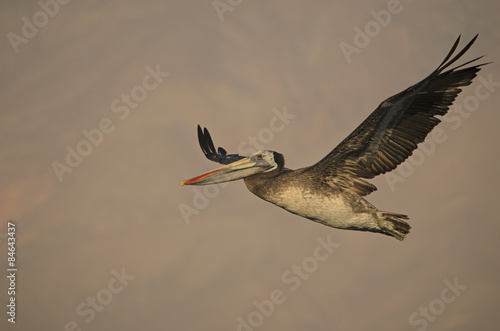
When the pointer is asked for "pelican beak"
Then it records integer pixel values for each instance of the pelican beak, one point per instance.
(233, 171)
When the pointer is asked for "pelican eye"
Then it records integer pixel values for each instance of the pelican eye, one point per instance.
(259, 156)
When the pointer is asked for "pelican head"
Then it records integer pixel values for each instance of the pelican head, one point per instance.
(260, 162)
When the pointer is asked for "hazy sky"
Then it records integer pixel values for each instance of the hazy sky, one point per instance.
(100, 102)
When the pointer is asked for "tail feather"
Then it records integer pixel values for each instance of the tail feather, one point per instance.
(393, 225)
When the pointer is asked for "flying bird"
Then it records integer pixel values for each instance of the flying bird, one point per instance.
(331, 191)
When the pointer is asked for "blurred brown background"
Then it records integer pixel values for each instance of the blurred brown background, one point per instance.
(115, 243)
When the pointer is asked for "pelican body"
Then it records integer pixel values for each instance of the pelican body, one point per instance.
(331, 191)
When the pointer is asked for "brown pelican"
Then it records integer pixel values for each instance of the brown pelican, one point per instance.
(331, 191)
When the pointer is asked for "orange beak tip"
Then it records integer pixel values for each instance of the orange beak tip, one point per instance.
(198, 178)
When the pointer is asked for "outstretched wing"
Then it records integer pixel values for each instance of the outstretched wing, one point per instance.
(391, 133)
(207, 146)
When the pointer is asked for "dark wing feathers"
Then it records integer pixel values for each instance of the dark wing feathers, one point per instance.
(207, 146)
(393, 131)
